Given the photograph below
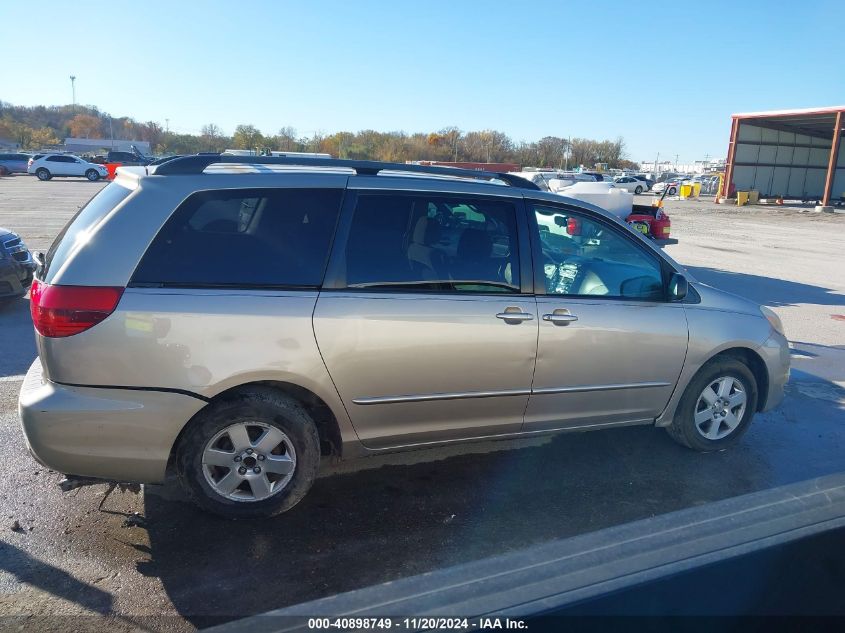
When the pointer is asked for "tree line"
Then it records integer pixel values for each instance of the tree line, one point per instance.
(40, 127)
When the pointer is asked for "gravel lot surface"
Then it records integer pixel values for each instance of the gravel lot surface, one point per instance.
(151, 561)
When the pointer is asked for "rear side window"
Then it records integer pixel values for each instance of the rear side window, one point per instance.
(430, 243)
(78, 230)
(244, 238)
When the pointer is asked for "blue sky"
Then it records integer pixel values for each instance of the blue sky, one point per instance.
(666, 76)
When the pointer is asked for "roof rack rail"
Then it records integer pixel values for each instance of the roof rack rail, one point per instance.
(196, 164)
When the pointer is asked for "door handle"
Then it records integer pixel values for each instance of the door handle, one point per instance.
(560, 318)
(514, 316)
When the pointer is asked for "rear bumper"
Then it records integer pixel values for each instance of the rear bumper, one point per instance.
(114, 434)
(775, 353)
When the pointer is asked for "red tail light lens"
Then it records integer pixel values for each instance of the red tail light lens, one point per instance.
(573, 226)
(67, 310)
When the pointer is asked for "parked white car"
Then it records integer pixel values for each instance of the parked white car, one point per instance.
(51, 165)
(630, 184)
(673, 185)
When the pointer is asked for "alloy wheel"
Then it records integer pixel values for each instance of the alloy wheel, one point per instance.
(249, 461)
(720, 408)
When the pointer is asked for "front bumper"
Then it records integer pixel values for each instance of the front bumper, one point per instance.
(775, 353)
(121, 435)
(15, 277)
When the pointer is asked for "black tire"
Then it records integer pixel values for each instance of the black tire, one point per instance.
(672, 191)
(43, 174)
(92, 175)
(262, 405)
(638, 190)
(684, 429)
(3, 170)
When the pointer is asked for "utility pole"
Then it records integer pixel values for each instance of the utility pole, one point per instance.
(676, 162)
(73, 91)
(167, 126)
(111, 133)
(566, 154)
(656, 170)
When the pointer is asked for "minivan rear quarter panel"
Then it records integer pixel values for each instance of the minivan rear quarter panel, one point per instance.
(200, 341)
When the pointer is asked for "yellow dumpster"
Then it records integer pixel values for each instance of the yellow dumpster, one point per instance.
(686, 191)
(696, 189)
(741, 198)
(753, 197)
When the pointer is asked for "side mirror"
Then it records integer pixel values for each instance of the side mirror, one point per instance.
(678, 287)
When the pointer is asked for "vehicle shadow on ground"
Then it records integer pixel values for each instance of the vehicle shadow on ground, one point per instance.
(52, 580)
(767, 290)
(381, 524)
(17, 340)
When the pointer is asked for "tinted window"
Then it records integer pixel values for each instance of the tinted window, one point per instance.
(246, 238)
(585, 257)
(80, 226)
(433, 243)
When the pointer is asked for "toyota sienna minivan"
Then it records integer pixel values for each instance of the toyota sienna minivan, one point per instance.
(231, 320)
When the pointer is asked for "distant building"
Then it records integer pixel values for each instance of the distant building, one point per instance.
(100, 145)
(695, 167)
(8, 144)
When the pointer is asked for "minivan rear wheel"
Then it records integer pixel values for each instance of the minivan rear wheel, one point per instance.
(717, 406)
(43, 174)
(252, 454)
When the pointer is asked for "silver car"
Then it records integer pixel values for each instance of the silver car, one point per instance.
(234, 323)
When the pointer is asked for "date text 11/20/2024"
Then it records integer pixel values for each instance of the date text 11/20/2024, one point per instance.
(417, 624)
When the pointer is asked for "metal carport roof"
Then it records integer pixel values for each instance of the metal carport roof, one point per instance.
(821, 123)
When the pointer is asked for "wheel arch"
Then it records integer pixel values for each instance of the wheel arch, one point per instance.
(755, 363)
(328, 427)
(739, 352)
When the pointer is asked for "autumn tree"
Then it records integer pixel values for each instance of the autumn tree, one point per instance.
(286, 139)
(452, 135)
(43, 137)
(247, 137)
(212, 138)
(85, 126)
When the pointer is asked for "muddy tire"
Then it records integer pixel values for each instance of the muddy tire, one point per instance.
(717, 406)
(252, 454)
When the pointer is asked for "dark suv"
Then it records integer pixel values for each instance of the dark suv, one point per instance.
(16, 266)
(127, 159)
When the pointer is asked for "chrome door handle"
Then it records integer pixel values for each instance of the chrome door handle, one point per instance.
(560, 319)
(515, 316)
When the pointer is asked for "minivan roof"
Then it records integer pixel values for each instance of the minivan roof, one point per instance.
(197, 164)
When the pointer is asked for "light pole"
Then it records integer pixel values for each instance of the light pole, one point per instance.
(73, 91)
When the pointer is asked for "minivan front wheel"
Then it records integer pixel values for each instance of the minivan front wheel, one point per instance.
(253, 454)
(717, 406)
(92, 175)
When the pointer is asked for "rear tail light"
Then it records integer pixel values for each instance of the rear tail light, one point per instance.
(67, 310)
(573, 226)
